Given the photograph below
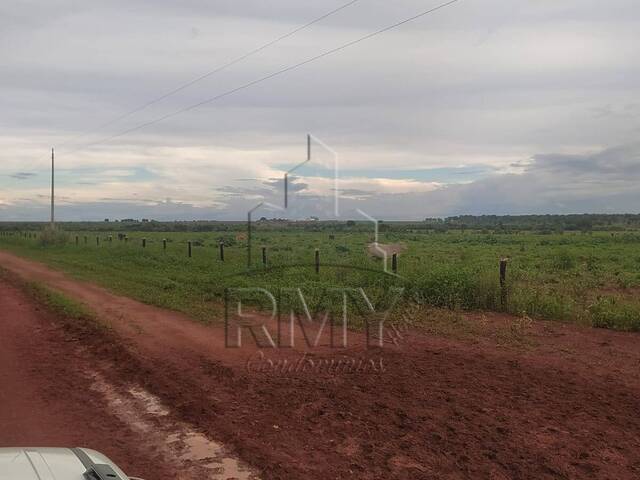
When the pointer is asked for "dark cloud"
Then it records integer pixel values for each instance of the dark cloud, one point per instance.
(600, 182)
(23, 175)
(619, 163)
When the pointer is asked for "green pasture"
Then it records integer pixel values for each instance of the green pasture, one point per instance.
(590, 278)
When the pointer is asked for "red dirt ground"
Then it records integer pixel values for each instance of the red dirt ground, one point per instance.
(44, 394)
(564, 407)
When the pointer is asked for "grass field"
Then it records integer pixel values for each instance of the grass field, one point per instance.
(588, 278)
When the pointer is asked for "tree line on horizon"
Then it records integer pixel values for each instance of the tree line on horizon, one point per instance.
(499, 223)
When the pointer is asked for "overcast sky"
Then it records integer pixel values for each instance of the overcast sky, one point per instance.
(483, 107)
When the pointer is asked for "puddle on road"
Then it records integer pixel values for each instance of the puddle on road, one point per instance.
(199, 456)
(151, 402)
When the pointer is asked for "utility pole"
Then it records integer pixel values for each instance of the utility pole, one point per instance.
(53, 220)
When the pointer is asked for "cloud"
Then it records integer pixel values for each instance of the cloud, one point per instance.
(22, 175)
(619, 163)
(605, 181)
(473, 89)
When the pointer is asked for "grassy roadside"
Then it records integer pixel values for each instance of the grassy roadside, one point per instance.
(577, 278)
(80, 321)
(70, 311)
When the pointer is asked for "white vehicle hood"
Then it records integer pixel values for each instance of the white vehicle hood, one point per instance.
(47, 464)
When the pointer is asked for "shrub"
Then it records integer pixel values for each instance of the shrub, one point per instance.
(51, 237)
(609, 312)
(455, 288)
(564, 260)
(541, 303)
(592, 264)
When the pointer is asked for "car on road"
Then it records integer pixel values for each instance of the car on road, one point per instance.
(57, 464)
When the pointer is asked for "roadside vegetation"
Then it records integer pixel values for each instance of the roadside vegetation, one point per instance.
(72, 312)
(589, 276)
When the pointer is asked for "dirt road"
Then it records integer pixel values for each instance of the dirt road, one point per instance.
(565, 407)
(45, 395)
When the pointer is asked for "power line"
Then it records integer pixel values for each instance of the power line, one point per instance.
(213, 72)
(269, 76)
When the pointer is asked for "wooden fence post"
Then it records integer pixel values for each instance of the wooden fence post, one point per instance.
(317, 260)
(264, 256)
(503, 282)
(144, 243)
(164, 244)
(189, 248)
(394, 263)
(97, 241)
(222, 251)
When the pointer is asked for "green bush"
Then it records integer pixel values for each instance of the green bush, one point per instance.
(609, 312)
(455, 288)
(342, 249)
(51, 237)
(564, 260)
(542, 303)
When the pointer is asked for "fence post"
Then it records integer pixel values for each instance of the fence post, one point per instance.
(97, 241)
(264, 256)
(394, 263)
(189, 248)
(503, 282)
(110, 239)
(222, 251)
(77, 240)
(144, 243)
(164, 244)
(317, 260)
